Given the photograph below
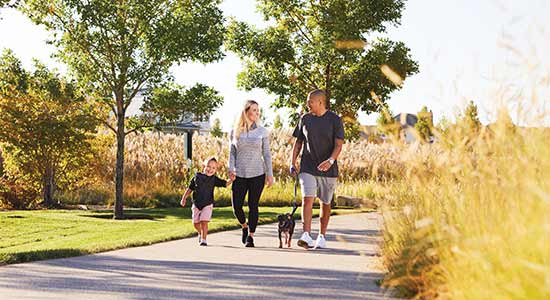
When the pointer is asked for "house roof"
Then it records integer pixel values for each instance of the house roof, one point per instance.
(181, 127)
(406, 119)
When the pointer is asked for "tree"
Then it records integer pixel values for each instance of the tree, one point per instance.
(321, 44)
(169, 102)
(352, 129)
(387, 124)
(442, 127)
(120, 48)
(217, 129)
(9, 3)
(277, 123)
(469, 118)
(424, 124)
(46, 125)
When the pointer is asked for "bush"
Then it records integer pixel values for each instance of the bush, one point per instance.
(88, 195)
(14, 195)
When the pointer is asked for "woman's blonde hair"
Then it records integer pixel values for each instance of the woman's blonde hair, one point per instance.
(243, 122)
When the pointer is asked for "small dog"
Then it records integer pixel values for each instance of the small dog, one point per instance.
(286, 227)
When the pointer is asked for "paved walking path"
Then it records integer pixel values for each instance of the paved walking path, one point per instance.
(223, 270)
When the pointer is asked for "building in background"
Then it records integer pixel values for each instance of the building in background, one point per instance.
(187, 126)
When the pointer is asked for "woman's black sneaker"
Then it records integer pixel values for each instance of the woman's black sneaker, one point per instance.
(249, 242)
(245, 235)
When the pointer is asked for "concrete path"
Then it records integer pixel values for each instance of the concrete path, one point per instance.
(223, 270)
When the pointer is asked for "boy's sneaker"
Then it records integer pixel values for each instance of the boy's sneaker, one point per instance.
(203, 243)
(305, 241)
(320, 242)
(245, 235)
(249, 242)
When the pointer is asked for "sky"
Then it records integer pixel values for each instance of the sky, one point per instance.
(482, 51)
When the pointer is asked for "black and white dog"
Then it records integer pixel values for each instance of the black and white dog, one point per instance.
(286, 227)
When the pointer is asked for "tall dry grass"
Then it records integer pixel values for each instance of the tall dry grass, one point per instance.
(471, 222)
(161, 155)
(156, 171)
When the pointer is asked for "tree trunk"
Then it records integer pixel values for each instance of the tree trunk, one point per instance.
(327, 85)
(48, 186)
(119, 172)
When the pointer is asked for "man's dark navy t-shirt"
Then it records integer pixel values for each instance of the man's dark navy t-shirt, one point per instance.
(318, 135)
(203, 189)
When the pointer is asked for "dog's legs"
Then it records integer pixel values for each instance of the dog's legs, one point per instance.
(280, 241)
(290, 233)
(287, 237)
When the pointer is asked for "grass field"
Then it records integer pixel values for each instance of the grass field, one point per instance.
(45, 234)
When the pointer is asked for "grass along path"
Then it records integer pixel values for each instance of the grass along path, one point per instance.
(46, 234)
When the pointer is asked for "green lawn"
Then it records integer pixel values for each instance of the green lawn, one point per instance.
(44, 234)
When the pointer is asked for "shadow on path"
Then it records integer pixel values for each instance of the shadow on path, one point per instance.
(161, 279)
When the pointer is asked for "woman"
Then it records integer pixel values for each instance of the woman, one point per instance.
(250, 167)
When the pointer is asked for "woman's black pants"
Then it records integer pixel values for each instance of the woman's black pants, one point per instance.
(254, 187)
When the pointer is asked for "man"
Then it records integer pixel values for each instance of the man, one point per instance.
(322, 132)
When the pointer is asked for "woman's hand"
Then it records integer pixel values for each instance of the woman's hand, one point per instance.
(269, 181)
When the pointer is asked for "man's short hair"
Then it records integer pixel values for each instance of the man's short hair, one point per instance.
(320, 93)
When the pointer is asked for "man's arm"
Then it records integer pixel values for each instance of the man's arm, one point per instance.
(296, 148)
(337, 149)
(325, 165)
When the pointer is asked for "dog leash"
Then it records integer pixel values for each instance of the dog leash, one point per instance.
(294, 205)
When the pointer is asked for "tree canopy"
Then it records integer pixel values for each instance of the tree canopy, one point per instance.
(46, 126)
(118, 49)
(217, 129)
(424, 124)
(323, 44)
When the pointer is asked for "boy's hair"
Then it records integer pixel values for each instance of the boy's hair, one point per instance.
(209, 159)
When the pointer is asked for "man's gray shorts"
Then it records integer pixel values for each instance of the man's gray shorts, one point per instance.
(318, 186)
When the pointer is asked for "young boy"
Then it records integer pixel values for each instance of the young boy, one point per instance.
(202, 186)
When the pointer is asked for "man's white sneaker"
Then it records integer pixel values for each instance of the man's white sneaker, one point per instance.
(305, 241)
(320, 242)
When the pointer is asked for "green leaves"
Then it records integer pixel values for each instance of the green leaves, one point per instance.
(425, 124)
(170, 102)
(122, 47)
(216, 130)
(322, 44)
(469, 118)
(46, 125)
(117, 49)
